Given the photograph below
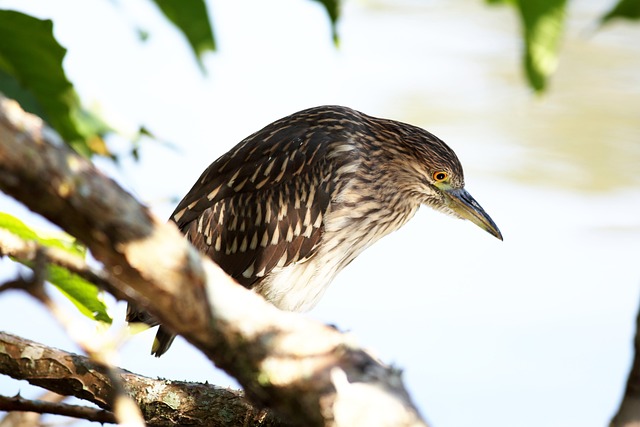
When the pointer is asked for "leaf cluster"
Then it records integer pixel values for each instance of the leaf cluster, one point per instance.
(543, 23)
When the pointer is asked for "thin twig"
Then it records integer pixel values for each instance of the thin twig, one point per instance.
(18, 283)
(18, 403)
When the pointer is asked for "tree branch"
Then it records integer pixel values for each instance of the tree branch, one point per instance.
(18, 403)
(309, 373)
(30, 419)
(163, 402)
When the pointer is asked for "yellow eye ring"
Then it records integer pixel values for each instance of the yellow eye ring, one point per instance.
(440, 176)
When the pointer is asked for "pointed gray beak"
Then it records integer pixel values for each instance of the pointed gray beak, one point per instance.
(460, 201)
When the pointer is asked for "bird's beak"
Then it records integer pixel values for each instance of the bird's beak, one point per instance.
(461, 202)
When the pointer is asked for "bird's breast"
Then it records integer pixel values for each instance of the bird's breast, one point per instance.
(348, 230)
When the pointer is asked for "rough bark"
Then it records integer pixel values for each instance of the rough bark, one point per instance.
(163, 402)
(308, 373)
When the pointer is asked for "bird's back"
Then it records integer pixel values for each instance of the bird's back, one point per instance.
(261, 207)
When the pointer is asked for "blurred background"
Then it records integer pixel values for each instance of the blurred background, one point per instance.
(536, 330)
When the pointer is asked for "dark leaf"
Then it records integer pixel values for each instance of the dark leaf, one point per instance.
(624, 9)
(542, 26)
(10, 87)
(31, 72)
(192, 19)
(543, 22)
(333, 10)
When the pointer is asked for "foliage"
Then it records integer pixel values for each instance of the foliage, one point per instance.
(31, 72)
(624, 9)
(190, 17)
(333, 10)
(83, 294)
(542, 24)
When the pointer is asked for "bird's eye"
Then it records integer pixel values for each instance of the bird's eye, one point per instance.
(440, 176)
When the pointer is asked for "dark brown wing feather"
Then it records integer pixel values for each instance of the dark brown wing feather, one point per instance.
(261, 205)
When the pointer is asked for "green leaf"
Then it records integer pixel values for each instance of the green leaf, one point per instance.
(31, 72)
(542, 26)
(58, 240)
(333, 10)
(192, 19)
(624, 9)
(34, 59)
(82, 294)
(10, 87)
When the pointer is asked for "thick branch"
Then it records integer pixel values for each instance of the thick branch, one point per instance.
(38, 169)
(309, 373)
(163, 402)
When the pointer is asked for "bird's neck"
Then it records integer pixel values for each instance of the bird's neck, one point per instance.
(357, 221)
(352, 223)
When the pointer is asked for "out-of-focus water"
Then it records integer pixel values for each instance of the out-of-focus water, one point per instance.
(535, 330)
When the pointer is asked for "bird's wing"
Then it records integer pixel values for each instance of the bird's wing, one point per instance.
(262, 204)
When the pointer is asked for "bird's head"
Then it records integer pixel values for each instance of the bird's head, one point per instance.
(437, 179)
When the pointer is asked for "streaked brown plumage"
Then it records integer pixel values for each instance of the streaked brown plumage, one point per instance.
(291, 205)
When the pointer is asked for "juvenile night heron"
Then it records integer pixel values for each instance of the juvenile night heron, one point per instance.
(291, 205)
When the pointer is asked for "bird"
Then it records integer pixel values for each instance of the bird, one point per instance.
(291, 205)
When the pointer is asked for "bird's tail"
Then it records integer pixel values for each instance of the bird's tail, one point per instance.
(162, 342)
(164, 337)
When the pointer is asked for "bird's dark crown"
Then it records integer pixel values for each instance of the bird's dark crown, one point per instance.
(384, 136)
(408, 152)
